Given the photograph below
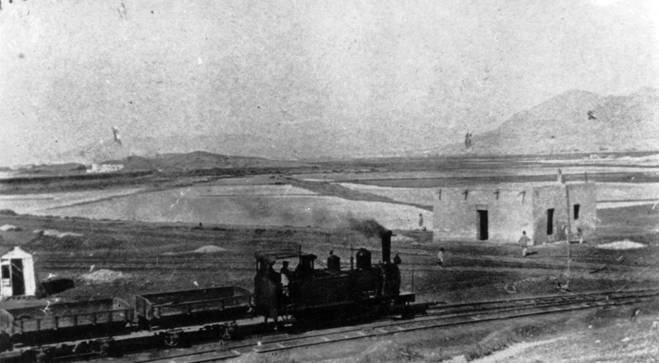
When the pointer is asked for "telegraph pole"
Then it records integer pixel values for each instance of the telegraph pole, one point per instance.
(567, 233)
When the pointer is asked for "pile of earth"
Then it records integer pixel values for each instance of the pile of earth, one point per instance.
(621, 245)
(104, 275)
(209, 249)
(56, 233)
(10, 228)
(203, 249)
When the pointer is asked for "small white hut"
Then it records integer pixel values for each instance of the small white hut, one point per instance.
(17, 274)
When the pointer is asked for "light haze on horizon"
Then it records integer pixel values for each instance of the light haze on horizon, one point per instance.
(72, 69)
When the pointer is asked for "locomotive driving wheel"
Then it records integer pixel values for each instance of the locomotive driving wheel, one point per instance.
(228, 331)
(38, 356)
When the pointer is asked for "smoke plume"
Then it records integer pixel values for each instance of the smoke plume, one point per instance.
(368, 227)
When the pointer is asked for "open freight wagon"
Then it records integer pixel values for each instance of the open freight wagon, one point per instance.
(45, 324)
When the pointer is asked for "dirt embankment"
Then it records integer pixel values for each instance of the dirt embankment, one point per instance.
(336, 190)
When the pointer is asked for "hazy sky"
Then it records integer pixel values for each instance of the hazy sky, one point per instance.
(70, 69)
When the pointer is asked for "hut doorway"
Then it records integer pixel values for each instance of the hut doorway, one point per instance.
(483, 233)
(17, 279)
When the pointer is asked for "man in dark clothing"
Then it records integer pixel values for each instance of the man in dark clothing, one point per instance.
(397, 260)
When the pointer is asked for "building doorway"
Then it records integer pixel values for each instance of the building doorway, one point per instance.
(17, 280)
(483, 233)
(550, 221)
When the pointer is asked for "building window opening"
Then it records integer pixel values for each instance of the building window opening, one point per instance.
(575, 211)
(550, 221)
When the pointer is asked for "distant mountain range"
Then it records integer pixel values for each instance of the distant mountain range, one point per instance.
(574, 121)
(306, 142)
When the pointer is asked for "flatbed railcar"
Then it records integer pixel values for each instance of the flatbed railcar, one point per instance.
(178, 308)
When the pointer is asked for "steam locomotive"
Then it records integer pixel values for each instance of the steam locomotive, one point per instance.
(308, 294)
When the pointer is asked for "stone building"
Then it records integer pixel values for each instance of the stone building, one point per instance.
(501, 214)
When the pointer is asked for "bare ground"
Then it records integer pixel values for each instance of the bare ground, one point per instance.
(156, 257)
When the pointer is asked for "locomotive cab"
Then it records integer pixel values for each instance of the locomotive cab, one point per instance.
(272, 288)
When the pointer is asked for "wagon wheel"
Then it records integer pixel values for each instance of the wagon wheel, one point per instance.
(226, 332)
(104, 349)
(81, 347)
(172, 339)
(41, 356)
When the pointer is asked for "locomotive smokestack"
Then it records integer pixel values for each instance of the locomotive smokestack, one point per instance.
(386, 246)
(371, 228)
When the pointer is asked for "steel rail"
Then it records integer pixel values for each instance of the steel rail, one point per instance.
(549, 304)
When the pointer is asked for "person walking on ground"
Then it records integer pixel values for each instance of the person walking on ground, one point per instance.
(524, 242)
(580, 235)
(421, 226)
(440, 257)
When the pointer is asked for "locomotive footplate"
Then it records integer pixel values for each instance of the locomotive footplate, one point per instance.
(353, 309)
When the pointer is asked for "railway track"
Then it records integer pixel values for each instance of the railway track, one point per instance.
(140, 263)
(438, 316)
(139, 266)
